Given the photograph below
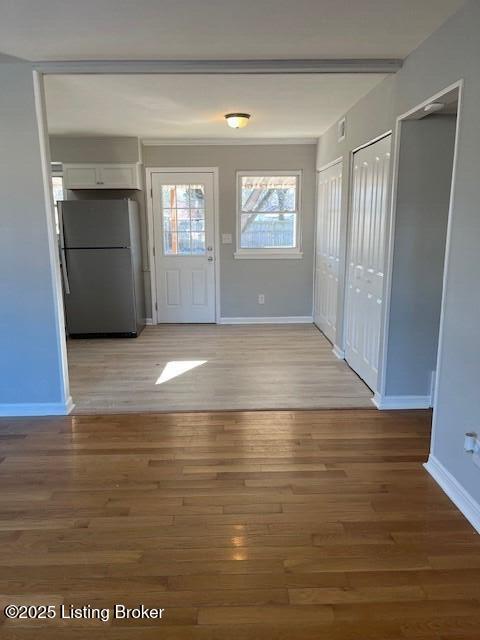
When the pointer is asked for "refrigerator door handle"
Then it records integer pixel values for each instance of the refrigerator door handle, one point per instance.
(63, 262)
(63, 254)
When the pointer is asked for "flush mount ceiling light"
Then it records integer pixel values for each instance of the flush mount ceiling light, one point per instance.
(433, 107)
(237, 120)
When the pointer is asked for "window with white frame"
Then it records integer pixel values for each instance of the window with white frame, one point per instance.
(268, 214)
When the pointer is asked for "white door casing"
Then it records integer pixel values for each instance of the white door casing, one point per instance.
(366, 258)
(327, 253)
(184, 238)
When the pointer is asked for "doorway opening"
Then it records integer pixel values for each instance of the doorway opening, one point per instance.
(123, 157)
(422, 199)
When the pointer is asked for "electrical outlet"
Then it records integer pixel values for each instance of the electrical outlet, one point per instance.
(261, 298)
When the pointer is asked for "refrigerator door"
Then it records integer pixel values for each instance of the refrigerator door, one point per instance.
(95, 223)
(101, 298)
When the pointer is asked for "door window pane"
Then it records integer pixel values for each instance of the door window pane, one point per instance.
(183, 242)
(198, 243)
(183, 219)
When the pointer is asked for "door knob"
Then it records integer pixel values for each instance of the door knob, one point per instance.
(209, 248)
(210, 258)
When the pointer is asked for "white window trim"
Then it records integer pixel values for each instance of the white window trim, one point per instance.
(274, 253)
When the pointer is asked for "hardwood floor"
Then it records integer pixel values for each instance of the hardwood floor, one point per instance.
(233, 367)
(247, 525)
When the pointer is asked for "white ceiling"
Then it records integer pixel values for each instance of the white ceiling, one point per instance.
(229, 29)
(178, 106)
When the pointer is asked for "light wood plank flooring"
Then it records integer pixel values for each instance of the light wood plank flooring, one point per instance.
(242, 526)
(246, 367)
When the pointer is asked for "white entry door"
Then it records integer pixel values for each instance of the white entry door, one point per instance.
(183, 219)
(366, 259)
(327, 258)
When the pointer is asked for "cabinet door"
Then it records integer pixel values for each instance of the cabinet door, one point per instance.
(118, 176)
(80, 177)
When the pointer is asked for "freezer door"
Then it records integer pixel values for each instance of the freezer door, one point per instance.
(101, 298)
(95, 223)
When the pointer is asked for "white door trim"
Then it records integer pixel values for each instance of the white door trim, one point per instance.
(391, 239)
(330, 164)
(364, 145)
(151, 236)
(65, 406)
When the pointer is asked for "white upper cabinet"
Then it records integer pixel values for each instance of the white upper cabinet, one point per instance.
(79, 177)
(102, 176)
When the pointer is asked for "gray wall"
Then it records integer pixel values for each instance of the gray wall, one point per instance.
(94, 149)
(30, 341)
(423, 199)
(287, 284)
(450, 54)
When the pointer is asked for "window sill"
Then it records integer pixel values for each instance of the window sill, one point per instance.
(267, 255)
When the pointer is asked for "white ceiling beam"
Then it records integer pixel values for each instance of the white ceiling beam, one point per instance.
(360, 65)
(194, 142)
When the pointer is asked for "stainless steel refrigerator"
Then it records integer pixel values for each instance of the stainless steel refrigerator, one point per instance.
(101, 268)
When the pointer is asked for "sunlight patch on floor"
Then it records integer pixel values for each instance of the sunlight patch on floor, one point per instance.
(176, 368)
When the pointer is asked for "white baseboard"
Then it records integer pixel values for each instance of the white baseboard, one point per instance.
(269, 320)
(402, 402)
(338, 353)
(454, 490)
(148, 321)
(37, 409)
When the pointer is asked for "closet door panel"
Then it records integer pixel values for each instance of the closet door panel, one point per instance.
(327, 258)
(366, 258)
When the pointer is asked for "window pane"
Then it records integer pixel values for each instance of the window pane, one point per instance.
(183, 243)
(268, 231)
(176, 243)
(198, 224)
(183, 219)
(175, 195)
(169, 222)
(269, 193)
(169, 200)
(198, 243)
(169, 243)
(197, 196)
(183, 196)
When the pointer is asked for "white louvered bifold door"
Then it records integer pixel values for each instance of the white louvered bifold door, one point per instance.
(327, 258)
(366, 258)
